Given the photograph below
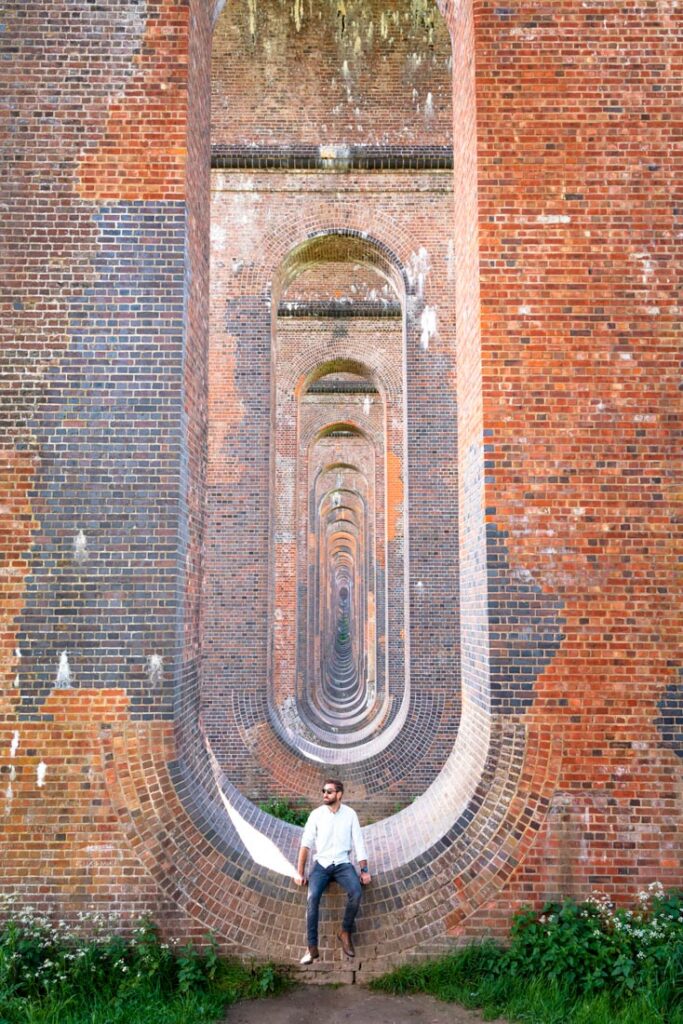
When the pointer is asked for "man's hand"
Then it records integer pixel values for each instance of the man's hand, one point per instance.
(299, 879)
(365, 878)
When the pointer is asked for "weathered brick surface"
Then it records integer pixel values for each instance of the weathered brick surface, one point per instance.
(578, 341)
(367, 73)
(129, 421)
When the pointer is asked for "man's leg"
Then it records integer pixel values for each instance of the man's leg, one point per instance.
(318, 881)
(345, 875)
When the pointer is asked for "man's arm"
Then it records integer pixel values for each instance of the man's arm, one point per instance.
(359, 847)
(299, 877)
(307, 841)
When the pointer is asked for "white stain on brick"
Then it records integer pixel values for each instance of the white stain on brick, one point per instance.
(648, 266)
(553, 218)
(251, 4)
(428, 325)
(9, 792)
(41, 772)
(450, 260)
(218, 7)
(155, 669)
(524, 310)
(14, 745)
(417, 269)
(218, 236)
(63, 680)
(80, 548)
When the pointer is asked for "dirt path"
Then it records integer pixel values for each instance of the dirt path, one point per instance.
(349, 1004)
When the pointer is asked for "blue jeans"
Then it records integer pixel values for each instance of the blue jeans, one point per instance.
(344, 875)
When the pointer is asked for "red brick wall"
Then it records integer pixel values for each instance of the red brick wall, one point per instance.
(578, 335)
(364, 78)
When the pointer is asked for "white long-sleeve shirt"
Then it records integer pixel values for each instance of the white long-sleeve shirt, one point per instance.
(333, 834)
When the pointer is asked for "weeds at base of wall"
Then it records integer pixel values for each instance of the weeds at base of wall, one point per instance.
(570, 963)
(53, 973)
(293, 814)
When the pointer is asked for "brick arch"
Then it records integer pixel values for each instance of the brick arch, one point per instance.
(447, 853)
(281, 247)
(320, 370)
(290, 369)
(286, 249)
(131, 180)
(342, 244)
(203, 865)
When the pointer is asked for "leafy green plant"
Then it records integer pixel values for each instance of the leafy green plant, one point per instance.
(293, 814)
(570, 963)
(56, 973)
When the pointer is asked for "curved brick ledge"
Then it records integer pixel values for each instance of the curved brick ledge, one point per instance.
(187, 842)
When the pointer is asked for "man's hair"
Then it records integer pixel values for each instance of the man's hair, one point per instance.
(337, 783)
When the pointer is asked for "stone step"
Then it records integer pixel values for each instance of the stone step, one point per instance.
(326, 973)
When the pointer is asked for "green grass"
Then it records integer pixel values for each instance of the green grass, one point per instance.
(56, 974)
(146, 1003)
(568, 964)
(141, 1008)
(459, 978)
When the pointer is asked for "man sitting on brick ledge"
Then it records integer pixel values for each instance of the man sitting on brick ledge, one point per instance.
(333, 830)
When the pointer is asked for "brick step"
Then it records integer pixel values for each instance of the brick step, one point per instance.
(326, 972)
(333, 967)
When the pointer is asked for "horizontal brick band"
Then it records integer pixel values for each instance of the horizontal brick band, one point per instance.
(332, 158)
(339, 310)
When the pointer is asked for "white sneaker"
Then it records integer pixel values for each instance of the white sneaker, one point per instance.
(309, 956)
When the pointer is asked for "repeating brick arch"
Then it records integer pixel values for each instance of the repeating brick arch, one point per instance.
(454, 813)
(336, 702)
(459, 822)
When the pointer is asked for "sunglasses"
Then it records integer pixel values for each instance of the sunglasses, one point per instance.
(329, 792)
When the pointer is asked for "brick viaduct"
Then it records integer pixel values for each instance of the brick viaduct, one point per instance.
(339, 435)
